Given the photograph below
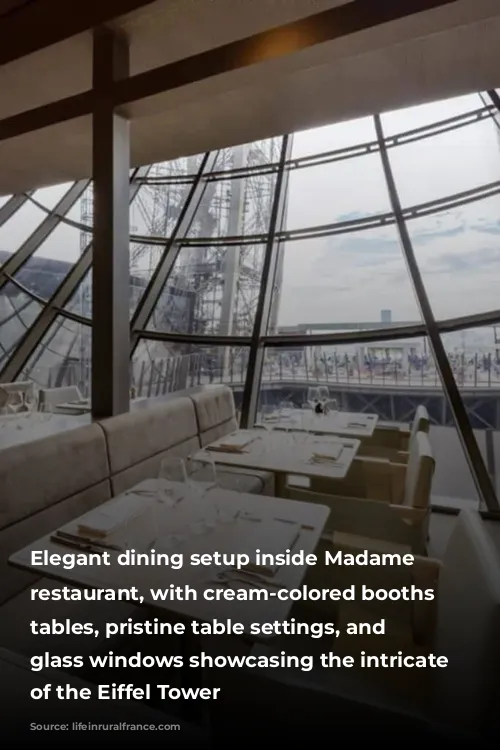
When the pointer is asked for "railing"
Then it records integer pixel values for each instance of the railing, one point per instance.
(154, 377)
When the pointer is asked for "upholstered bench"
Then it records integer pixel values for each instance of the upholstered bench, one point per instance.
(46, 483)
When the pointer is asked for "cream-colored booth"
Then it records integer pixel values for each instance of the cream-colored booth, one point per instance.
(46, 483)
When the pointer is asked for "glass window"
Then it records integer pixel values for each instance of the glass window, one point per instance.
(386, 378)
(446, 164)
(339, 191)
(240, 206)
(344, 282)
(18, 311)
(163, 367)
(80, 302)
(333, 137)
(249, 155)
(49, 197)
(474, 357)
(156, 208)
(411, 118)
(458, 253)
(144, 260)
(212, 290)
(18, 228)
(50, 264)
(63, 357)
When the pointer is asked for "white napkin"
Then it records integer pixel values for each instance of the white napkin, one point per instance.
(329, 455)
(232, 444)
(104, 521)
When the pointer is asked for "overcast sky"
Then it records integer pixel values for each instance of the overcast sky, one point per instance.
(352, 277)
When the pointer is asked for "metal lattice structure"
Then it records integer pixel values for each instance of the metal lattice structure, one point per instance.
(211, 245)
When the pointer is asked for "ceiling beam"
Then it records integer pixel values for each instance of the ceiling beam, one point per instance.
(35, 25)
(270, 45)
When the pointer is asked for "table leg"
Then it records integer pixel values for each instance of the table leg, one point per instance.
(280, 484)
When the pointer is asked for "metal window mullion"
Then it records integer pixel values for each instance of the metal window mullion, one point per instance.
(36, 239)
(479, 472)
(152, 293)
(265, 300)
(59, 299)
(12, 206)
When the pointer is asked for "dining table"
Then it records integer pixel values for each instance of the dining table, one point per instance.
(191, 519)
(285, 453)
(349, 424)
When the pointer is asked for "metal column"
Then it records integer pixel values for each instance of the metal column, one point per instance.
(232, 259)
(110, 277)
(266, 294)
(473, 455)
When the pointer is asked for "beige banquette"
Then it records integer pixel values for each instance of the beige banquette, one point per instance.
(462, 624)
(46, 483)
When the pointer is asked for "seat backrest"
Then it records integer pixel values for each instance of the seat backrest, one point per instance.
(419, 472)
(138, 441)
(468, 627)
(55, 396)
(19, 386)
(40, 473)
(44, 484)
(421, 422)
(215, 412)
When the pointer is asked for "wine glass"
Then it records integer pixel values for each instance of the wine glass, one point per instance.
(324, 394)
(313, 397)
(172, 471)
(268, 412)
(202, 477)
(201, 474)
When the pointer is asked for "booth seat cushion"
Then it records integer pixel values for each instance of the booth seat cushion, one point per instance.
(38, 474)
(139, 435)
(19, 535)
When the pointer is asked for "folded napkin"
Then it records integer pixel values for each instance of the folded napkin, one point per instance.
(232, 444)
(104, 521)
(331, 456)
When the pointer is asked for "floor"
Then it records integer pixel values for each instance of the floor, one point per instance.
(441, 529)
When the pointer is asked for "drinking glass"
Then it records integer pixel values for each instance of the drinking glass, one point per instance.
(267, 412)
(324, 394)
(172, 470)
(201, 474)
(313, 397)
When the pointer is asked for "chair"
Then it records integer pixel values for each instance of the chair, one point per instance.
(381, 500)
(52, 397)
(391, 440)
(14, 397)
